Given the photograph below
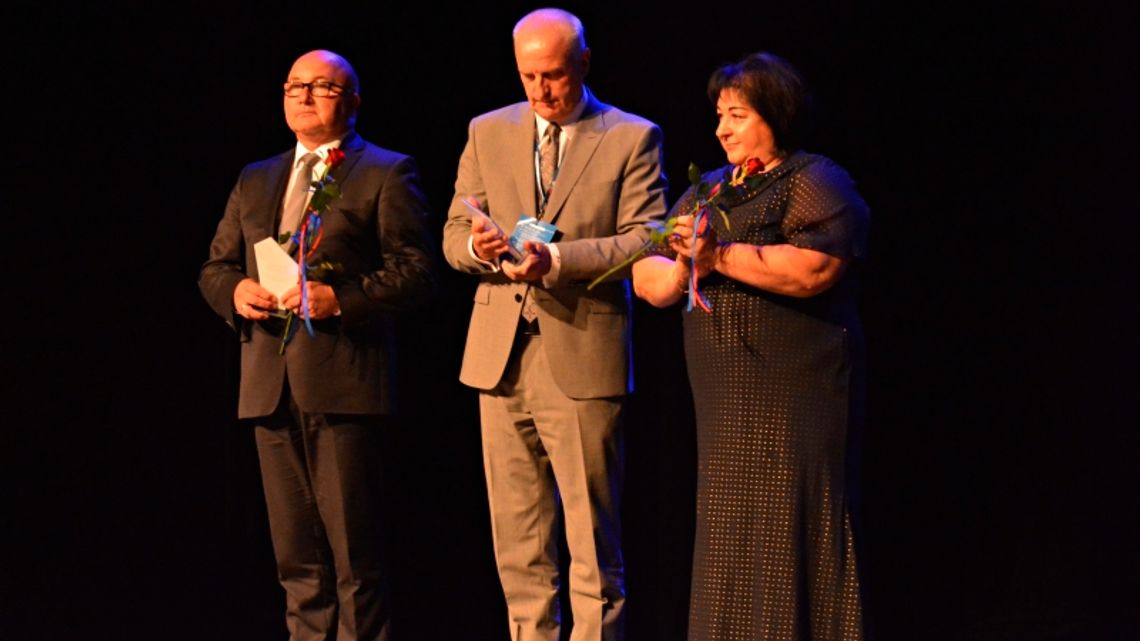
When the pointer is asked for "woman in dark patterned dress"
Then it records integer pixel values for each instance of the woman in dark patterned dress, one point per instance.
(776, 370)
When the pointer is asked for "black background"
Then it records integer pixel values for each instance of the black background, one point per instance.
(991, 143)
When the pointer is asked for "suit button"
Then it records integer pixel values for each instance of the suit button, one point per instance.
(518, 298)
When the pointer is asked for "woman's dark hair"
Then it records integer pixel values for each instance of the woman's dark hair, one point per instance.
(774, 89)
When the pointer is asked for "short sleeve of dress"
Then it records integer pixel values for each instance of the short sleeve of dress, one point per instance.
(824, 211)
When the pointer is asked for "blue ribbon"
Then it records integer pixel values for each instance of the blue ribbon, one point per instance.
(694, 295)
(313, 228)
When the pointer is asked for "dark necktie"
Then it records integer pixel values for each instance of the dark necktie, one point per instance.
(547, 169)
(297, 201)
(548, 159)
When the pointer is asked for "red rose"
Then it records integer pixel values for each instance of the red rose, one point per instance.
(334, 158)
(753, 166)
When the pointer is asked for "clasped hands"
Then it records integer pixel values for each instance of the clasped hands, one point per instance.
(253, 301)
(705, 252)
(489, 243)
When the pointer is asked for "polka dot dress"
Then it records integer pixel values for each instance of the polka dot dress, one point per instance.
(773, 381)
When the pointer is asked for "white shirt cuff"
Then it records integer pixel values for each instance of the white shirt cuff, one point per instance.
(550, 278)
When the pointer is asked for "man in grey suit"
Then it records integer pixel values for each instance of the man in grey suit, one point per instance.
(550, 357)
(316, 406)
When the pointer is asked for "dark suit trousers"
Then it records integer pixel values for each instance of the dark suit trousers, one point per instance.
(321, 475)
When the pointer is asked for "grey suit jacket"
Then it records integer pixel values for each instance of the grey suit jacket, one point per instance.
(377, 231)
(610, 184)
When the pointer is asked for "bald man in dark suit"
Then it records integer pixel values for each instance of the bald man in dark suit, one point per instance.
(317, 407)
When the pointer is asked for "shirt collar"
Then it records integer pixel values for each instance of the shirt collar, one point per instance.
(322, 151)
(569, 121)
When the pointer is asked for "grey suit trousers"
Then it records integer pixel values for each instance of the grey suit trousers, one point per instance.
(544, 452)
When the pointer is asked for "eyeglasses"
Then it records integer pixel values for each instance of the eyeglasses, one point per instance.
(317, 88)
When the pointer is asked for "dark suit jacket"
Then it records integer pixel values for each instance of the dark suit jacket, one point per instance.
(377, 230)
(610, 184)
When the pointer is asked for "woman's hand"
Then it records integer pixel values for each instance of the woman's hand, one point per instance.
(704, 252)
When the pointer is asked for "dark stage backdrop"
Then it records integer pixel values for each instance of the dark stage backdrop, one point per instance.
(999, 298)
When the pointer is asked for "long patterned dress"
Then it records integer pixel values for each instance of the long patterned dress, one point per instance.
(777, 389)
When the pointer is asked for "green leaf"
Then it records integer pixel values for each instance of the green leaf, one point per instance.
(321, 271)
(659, 232)
(694, 174)
(722, 209)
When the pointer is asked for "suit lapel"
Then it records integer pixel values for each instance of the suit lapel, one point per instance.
(353, 148)
(270, 217)
(520, 155)
(588, 133)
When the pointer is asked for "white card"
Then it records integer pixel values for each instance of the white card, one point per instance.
(276, 270)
